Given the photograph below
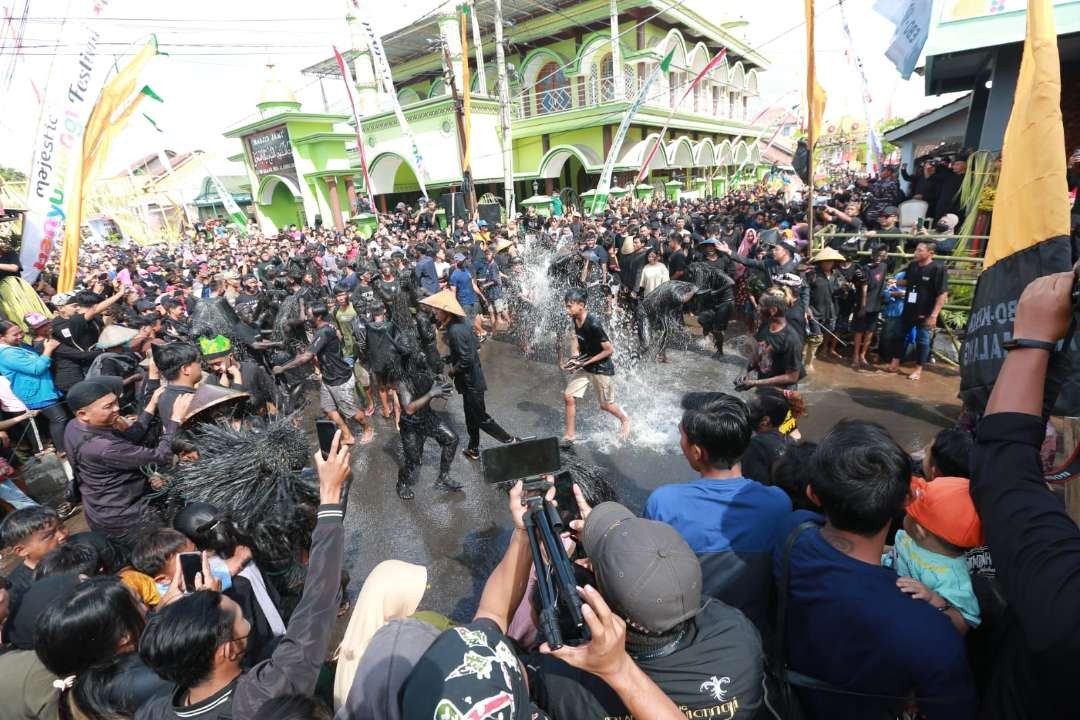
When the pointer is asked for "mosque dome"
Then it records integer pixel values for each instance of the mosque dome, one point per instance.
(275, 96)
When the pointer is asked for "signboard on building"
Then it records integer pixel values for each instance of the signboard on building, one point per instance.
(271, 152)
(972, 24)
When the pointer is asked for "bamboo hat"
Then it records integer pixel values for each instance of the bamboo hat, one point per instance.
(210, 396)
(114, 336)
(828, 254)
(444, 300)
(502, 245)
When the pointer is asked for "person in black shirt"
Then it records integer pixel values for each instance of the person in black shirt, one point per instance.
(823, 281)
(676, 259)
(591, 364)
(926, 287)
(337, 391)
(80, 324)
(868, 303)
(1033, 540)
(776, 357)
(416, 388)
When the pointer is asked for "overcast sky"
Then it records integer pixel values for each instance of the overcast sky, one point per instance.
(218, 51)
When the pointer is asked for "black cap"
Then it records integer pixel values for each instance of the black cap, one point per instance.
(85, 392)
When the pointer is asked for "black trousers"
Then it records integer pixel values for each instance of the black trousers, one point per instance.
(477, 419)
(412, 446)
(56, 416)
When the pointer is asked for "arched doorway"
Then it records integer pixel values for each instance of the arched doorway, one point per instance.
(279, 201)
(393, 180)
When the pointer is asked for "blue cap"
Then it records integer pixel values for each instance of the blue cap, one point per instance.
(481, 223)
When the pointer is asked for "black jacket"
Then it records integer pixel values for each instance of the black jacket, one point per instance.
(464, 361)
(1036, 550)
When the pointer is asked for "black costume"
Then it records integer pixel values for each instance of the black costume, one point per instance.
(416, 381)
(469, 381)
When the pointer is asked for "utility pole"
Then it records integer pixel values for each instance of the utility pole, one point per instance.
(459, 115)
(619, 91)
(504, 116)
(481, 73)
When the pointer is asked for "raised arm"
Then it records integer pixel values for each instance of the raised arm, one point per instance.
(1034, 542)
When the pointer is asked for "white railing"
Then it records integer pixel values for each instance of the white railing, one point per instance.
(601, 91)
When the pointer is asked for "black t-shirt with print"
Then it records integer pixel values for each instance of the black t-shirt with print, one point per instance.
(716, 670)
(924, 284)
(590, 339)
(327, 348)
(873, 276)
(778, 352)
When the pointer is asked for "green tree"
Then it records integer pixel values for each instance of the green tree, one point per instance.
(884, 126)
(11, 174)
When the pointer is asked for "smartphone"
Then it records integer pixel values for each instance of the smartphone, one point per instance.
(325, 430)
(525, 459)
(928, 223)
(190, 566)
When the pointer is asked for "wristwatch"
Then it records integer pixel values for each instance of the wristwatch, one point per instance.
(1014, 343)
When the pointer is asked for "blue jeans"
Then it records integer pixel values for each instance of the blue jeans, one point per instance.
(13, 496)
(922, 340)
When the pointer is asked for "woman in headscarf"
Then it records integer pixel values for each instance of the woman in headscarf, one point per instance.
(392, 590)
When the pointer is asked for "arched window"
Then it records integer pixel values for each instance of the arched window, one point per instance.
(716, 100)
(697, 98)
(731, 105)
(607, 81)
(552, 89)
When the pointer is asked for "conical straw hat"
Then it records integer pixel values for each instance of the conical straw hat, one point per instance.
(208, 396)
(444, 300)
(114, 336)
(828, 254)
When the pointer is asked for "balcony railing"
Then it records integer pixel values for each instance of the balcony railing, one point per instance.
(605, 90)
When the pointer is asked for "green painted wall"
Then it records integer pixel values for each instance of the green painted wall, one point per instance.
(282, 208)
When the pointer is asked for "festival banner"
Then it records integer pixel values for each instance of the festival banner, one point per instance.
(1029, 233)
(236, 215)
(603, 189)
(815, 94)
(912, 21)
(118, 101)
(382, 69)
(873, 144)
(466, 94)
(663, 130)
(359, 133)
(71, 89)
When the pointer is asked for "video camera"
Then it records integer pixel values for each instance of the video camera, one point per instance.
(532, 461)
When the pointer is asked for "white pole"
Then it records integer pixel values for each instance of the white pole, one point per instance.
(504, 115)
(481, 75)
(619, 92)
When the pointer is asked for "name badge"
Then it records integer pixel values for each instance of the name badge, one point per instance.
(913, 297)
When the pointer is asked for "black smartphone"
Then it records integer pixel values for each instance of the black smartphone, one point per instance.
(525, 459)
(325, 429)
(190, 566)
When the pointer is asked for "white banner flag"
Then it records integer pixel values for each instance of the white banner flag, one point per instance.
(603, 188)
(382, 69)
(74, 83)
(912, 21)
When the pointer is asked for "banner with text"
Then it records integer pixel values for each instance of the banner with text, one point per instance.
(70, 94)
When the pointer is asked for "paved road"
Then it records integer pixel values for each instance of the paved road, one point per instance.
(460, 536)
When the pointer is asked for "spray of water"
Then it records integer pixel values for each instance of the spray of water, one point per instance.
(649, 392)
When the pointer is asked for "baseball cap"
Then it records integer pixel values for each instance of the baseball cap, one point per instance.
(466, 666)
(890, 210)
(644, 568)
(458, 257)
(943, 506)
(34, 320)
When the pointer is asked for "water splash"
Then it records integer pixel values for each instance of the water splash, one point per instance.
(648, 391)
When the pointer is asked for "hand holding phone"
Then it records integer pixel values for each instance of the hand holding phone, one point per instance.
(191, 566)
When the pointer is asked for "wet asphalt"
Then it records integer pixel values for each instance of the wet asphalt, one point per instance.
(460, 536)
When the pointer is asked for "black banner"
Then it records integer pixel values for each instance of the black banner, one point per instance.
(271, 152)
(991, 325)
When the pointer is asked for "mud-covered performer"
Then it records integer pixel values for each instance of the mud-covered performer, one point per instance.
(416, 388)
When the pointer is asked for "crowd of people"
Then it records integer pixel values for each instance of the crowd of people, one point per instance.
(841, 579)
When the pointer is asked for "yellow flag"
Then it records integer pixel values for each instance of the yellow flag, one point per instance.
(114, 107)
(815, 94)
(465, 94)
(1031, 204)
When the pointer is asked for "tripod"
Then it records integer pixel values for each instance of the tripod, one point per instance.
(555, 578)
